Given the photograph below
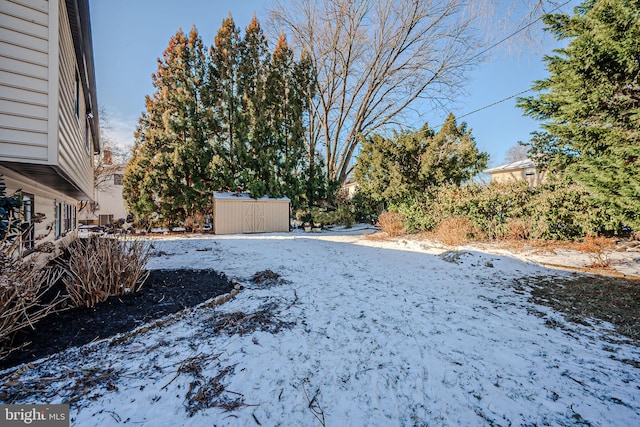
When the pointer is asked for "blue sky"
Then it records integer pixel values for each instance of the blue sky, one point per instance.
(129, 36)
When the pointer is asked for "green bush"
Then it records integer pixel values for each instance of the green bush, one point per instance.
(497, 211)
(364, 208)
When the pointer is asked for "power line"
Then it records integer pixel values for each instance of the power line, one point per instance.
(494, 103)
(519, 30)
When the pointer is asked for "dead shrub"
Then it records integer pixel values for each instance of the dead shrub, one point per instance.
(195, 222)
(391, 223)
(596, 247)
(24, 283)
(455, 231)
(97, 267)
(519, 229)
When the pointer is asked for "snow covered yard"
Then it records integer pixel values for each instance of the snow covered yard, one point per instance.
(355, 332)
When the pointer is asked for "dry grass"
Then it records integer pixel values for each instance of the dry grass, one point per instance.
(24, 282)
(520, 229)
(583, 297)
(391, 223)
(245, 323)
(99, 267)
(596, 247)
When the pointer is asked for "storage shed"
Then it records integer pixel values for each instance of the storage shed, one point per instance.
(235, 213)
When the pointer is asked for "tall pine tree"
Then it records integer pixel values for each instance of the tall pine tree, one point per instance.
(252, 90)
(590, 103)
(169, 170)
(222, 83)
(232, 120)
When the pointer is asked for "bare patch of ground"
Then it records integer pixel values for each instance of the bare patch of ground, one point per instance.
(582, 297)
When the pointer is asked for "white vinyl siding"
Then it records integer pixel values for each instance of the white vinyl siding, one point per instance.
(73, 156)
(44, 202)
(24, 71)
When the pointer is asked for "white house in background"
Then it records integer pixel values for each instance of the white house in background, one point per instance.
(109, 203)
(522, 170)
(350, 187)
(49, 130)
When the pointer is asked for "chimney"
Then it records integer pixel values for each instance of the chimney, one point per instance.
(107, 157)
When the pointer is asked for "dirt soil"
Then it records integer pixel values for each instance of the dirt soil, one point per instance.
(164, 292)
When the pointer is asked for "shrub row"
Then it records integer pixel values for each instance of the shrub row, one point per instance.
(498, 211)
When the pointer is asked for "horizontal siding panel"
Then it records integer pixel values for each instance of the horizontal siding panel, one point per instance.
(21, 153)
(29, 10)
(73, 156)
(23, 109)
(28, 96)
(24, 26)
(24, 137)
(37, 5)
(24, 123)
(24, 54)
(24, 68)
(8, 78)
(24, 40)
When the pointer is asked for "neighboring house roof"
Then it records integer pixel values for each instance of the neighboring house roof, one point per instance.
(520, 164)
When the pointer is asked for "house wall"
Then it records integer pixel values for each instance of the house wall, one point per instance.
(45, 201)
(43, 133)
(109, 201)
(518, 175)
(242, 216)
(24, 74)
(75, 148)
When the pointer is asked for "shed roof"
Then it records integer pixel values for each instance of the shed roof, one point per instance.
(222, 195)
(520, 164)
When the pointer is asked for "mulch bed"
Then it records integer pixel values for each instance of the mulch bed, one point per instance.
(164, 292)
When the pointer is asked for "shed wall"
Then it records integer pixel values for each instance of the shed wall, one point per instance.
(250, 216)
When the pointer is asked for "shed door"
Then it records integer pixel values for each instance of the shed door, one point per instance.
(247, 217)
(258, 218)
(253, 218)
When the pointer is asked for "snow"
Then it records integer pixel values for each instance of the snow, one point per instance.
(385, 333)
(243, 196)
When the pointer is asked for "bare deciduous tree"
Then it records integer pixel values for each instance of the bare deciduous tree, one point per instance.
(376, 59)
(515, 153)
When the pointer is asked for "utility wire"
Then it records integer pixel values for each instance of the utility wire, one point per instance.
(519, 30)
(493, 103)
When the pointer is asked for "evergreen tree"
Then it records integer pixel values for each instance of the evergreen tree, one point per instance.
(451, 156)
(234, 120)
(253, 93)
(287, 100)
(590, 103)
(222, 79)
(169, 170)
(413, 163)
